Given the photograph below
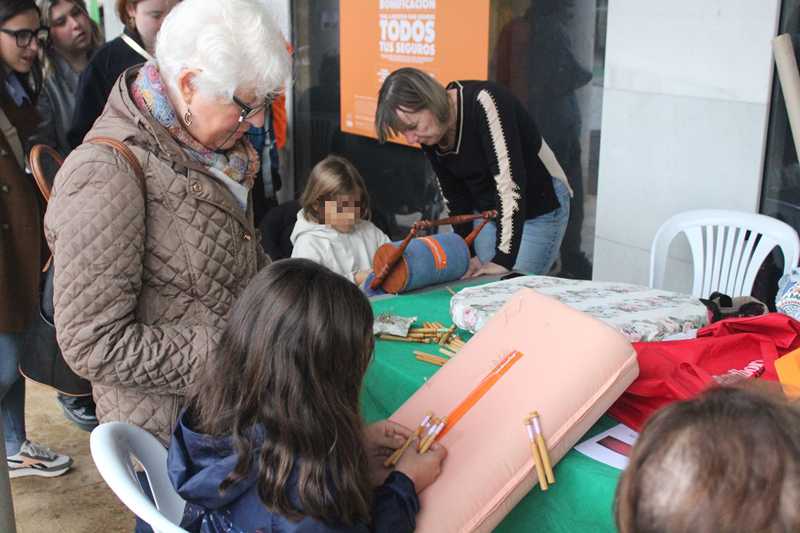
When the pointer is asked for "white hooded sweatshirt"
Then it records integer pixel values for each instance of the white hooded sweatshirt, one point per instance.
(344, 253)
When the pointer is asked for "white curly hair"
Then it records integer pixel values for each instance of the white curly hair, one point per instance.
(234, 44)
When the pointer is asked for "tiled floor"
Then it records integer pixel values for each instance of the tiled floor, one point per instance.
(77, 502)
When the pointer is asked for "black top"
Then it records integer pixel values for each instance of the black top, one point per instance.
(96, 82)
(494, 164)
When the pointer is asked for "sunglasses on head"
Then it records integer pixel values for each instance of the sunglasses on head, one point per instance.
(24, 37)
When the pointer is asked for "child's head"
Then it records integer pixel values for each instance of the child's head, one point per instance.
(728, 461)
(291, 361)
(335, 194)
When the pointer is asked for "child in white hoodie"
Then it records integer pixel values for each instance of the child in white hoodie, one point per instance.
(332, 227)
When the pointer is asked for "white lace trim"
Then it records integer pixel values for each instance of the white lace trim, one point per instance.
(441, 191)
(507, 189)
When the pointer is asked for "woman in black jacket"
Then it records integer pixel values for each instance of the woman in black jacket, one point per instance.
(487, 154)
(142, 19)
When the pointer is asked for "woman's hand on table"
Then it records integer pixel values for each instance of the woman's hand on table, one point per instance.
(422, 469)
(474, 266)
(381, 439)
(491, 269)
(476, 269)
(361, 276)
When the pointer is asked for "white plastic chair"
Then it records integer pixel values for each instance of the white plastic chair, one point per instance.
(728, 248)
(112, 445)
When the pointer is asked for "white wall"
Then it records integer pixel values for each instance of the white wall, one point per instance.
(685, 108)
(112, 25)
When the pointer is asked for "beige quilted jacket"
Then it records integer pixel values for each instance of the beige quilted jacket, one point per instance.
(145, 272)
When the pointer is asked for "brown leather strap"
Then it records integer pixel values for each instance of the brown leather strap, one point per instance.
(124, 151)
(41, 181)
(35, 162)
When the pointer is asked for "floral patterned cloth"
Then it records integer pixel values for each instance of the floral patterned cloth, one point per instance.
(639, 313)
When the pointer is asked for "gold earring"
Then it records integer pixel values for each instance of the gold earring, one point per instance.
(187, 117)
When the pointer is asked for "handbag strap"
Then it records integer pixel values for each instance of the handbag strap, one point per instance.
(136, 47)
(35, 162)
(114, 144)
(124, 151)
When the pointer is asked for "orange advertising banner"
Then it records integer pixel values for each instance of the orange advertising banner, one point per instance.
(448, 39)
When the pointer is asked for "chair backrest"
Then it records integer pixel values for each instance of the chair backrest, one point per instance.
(276, 230)
(112, 444)
(728, 248)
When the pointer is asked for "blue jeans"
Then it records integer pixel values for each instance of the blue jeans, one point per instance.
(12, 392)
(541, 237)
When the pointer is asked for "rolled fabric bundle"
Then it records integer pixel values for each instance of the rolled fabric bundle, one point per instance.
(426, 261)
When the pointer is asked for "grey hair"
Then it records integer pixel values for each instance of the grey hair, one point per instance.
(409, 90)
(232, 43)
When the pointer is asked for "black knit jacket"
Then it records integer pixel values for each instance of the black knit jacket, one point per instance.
(96, 82)
(494, 164)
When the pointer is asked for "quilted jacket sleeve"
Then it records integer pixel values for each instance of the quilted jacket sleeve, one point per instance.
(263, 259)
(96, 228)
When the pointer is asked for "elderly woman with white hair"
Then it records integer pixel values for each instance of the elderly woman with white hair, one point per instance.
(147, 266)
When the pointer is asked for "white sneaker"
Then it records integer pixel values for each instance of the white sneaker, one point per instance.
(37, 460)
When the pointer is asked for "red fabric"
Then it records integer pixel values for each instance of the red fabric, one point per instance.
(678, 370)
(280, 122)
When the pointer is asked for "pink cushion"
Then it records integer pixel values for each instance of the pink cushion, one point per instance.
(573, 368)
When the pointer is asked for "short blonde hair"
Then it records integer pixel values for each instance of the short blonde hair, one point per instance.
(331, 177)
(231, 43)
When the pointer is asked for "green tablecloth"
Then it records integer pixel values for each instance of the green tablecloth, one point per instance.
(582, 498)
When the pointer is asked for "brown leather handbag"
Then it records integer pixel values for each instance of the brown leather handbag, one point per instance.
(43, 361)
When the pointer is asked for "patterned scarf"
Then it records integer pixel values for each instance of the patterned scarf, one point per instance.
(240, 163)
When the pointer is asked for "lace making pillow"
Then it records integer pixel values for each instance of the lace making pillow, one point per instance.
(571, 369)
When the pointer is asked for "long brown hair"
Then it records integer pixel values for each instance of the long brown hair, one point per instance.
(727, 461)
(291, 361)
(46, 7)
(331, 177)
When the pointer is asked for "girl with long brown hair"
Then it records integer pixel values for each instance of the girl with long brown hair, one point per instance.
(272, 438)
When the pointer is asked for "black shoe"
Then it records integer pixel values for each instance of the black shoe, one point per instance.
(576, 266)
(80, 410)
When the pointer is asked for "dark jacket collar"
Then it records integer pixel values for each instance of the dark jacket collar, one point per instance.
(459, 118)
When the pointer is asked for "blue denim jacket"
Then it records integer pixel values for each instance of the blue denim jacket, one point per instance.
(198, 463)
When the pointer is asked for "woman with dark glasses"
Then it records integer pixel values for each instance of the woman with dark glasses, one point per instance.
(21, 239)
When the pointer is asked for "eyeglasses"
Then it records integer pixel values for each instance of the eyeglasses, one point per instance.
(250, 112)
(24, 37)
